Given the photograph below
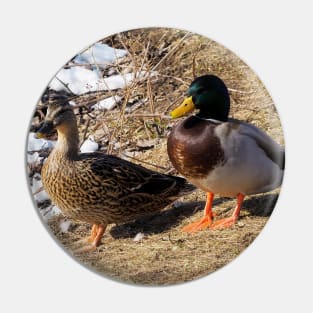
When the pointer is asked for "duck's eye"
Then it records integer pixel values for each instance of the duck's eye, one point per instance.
(44, 98)
(200, 91)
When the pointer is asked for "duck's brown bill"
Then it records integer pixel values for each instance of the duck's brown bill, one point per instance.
(45, 129)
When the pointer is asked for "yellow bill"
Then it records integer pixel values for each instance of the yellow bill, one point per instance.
(39, 135)
(186, 107)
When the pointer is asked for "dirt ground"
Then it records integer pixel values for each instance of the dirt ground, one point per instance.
(137, 130)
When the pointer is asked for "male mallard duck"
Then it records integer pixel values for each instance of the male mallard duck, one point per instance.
(96, 188)
(219, 154)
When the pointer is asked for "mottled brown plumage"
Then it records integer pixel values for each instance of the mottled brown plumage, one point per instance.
(97, 188)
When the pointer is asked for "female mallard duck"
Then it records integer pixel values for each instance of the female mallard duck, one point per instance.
(219, 154)
(96, 188)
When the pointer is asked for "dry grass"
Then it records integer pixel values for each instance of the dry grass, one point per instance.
(138, 128)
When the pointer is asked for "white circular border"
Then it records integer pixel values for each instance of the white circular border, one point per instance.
(273, 272)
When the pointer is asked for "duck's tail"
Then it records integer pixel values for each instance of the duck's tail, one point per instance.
(181, 187)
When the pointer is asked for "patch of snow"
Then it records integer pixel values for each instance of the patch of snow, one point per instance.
(127, 155)
(101, 54)
(134, 106)
(108, 103)
(64, 225)
(120, 80)
(81, 80)
(85, 74)
(89, 145)
(139, 237)
(117, 81)
(36, 185)
(177, 204)
(33, 157)
(111, 71)
(35, 144)
(42, 196)
(78, 79)
(49, 212)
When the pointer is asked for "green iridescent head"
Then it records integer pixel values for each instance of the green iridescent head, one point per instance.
(209, 95)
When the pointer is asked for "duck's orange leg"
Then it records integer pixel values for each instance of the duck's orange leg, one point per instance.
(98, 236)
(93, 233)
(93, 240)
(229, 221)
(206, 220)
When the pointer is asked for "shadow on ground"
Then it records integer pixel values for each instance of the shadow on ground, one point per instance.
(159, 222)
(261, 205)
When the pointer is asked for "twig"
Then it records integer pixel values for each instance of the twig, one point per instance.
(176, 78)
(140, 128)
(149, 115)
(150, 96)
(144, 56)
(147, 130)
(121, 40)
(170, 171)
(117, 130)
(171, 51)
(145, 162)
(38, 190)
(174, 102)
(194, 61)
(102, 79)
(65, 85)
(85, 131)
(240, 91)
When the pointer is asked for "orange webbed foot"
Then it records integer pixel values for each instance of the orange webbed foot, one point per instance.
(92, 242)
(229, 221)
(203, 223)
(224, 223)
(206, 220)
(85, 248)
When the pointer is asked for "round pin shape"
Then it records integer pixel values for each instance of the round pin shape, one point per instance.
(141, 185)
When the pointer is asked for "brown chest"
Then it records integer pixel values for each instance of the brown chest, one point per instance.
(194, 149)
(60, 183)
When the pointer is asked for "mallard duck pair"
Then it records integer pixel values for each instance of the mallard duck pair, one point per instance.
(96, 188)
(215, 153)
(219, 154)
